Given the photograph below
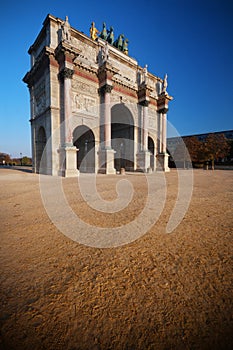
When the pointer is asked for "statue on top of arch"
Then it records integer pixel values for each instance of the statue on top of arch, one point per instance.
(110, 37)
(104, 34)
(164, 85)
(65, 27)
(93, 31)
(121, 43)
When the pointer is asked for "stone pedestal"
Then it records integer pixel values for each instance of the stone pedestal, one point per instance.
(143, 161)
(162, 162)
(107, 161)
(68, 161)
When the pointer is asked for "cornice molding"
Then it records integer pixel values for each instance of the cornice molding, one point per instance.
(30, 76)
(163, 110)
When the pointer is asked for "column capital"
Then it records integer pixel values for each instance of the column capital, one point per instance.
(107, 88)
(144, 103)
(163, 110)
(144, 92)
(65, 73)
(162, 103)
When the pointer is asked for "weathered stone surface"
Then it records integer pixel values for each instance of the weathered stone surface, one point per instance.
(70, 79)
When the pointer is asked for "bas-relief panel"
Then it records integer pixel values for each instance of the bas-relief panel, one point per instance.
(152, 121)
(84, 104)
(37, 52)
(84, 98)
(39, 98)
(81, 87)
(126, 74)
(87, 51)
(40, 104)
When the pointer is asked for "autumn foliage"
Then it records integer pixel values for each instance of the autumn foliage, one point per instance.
(191, 150)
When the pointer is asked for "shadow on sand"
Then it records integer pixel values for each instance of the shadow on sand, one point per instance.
(25, 169)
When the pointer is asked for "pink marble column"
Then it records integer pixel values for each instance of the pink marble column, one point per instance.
(107, 154)
(67, 110)
(164, 133)
(68, 152)
(66, 76)
(145, 127)
(107, 119)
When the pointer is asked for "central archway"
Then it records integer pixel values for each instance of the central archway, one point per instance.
(122, 136)
(84, 140)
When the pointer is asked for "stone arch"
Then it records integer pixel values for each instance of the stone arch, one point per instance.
(41, 158)
(122, 137)
(84, 140)
(151, 148)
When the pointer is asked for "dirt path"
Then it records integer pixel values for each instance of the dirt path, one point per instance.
(162, 291)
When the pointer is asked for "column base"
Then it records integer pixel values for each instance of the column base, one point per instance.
(143, 161)
(68, 161)
(107, 161)
(162, 162)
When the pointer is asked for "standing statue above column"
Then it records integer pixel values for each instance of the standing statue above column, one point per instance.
(93, 31)
(105, 53)
(164, 86)
(145, 74)
(66, 30)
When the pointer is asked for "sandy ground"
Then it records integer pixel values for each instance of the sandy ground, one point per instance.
(162, 291)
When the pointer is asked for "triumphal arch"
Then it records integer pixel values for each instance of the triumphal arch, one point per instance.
(93, 107)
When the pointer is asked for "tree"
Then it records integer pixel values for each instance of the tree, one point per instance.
(193, 146)
(5, 158)
(26, 161)
(230, 155)
(215, 146)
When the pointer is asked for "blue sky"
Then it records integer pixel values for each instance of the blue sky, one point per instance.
(190, 40)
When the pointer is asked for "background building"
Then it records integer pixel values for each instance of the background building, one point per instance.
(201, 149)
(172, 142)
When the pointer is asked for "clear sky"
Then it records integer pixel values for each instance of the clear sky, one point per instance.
(190, 40)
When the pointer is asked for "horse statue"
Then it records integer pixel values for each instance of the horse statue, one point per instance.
(125, 46)
(119, 42)
(110, 37)
(103, 35)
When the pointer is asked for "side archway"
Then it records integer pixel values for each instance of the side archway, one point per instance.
(84, 140)
(151, 148)
(122, 136)
(41, 159)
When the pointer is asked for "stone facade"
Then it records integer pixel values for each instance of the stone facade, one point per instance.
(92, 111)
